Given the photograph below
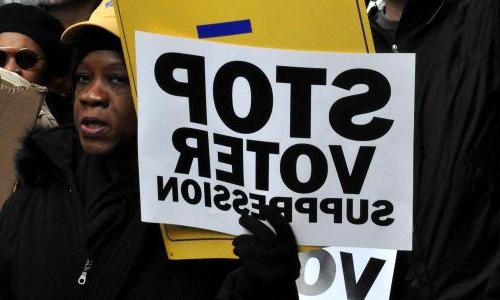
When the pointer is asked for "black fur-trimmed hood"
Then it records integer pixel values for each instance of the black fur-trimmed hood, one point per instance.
(44, 153)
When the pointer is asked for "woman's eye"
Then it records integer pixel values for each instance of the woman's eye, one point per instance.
(118, 79)
(81, 78)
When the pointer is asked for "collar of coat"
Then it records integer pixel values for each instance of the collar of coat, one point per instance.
(416, 14)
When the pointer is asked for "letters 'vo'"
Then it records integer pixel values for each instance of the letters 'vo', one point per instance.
(346, 273)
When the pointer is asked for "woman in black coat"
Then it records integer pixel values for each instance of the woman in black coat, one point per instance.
(73, 231)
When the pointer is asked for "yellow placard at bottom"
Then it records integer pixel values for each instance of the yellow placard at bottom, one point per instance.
(192, 243)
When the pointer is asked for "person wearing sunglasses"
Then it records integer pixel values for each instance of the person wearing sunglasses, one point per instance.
(30, 47)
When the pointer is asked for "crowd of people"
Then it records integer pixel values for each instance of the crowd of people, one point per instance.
(72, 228)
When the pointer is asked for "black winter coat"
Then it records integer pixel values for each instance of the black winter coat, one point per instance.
(68, 211)
(457, 137)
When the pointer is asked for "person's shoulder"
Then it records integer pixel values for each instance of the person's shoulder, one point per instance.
(36, 166)
(477, 8)
(41, 151)
(479, 3)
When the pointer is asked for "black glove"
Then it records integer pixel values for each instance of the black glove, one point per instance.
(270, 262)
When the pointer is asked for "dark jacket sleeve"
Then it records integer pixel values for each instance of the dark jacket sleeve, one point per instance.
(4, 277)
(10, 218)
(493, 288)
(6, 244)
(238, 287)
(491, 15)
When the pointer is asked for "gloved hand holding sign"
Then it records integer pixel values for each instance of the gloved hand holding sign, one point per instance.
(270, 263)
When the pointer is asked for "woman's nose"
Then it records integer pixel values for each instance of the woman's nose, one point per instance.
(95, 95)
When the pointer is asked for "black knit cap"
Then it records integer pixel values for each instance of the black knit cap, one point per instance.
(43, 28)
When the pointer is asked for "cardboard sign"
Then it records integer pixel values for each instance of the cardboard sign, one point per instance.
(326, 137)
(19, 106)
(346, 273)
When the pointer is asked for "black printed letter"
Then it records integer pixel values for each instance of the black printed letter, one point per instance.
(342, 111)
(193, 89)
(261, 100)
(359, 290)
(188, 153)
(301, 80)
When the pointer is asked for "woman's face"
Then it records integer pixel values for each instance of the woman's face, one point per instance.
(104, 112)
(11, 43)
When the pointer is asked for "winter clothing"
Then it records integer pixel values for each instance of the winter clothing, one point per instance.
(457, 169)
(71, 231)
(268, 258)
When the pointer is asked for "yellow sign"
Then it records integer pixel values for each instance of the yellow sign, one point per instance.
(321, 25)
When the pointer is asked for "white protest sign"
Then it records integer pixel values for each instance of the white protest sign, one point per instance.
(325, 137)
(346, 273)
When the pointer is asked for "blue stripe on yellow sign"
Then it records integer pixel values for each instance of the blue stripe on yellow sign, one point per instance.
(223, 29)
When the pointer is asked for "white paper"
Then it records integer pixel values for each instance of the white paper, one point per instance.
(389, 176)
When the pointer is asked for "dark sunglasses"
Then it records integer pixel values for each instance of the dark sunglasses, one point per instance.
(25, 58)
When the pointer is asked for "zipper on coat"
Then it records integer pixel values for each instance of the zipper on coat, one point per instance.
(394, 48)
(85, 272)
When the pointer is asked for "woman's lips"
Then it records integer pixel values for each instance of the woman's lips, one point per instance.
(92, 126)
